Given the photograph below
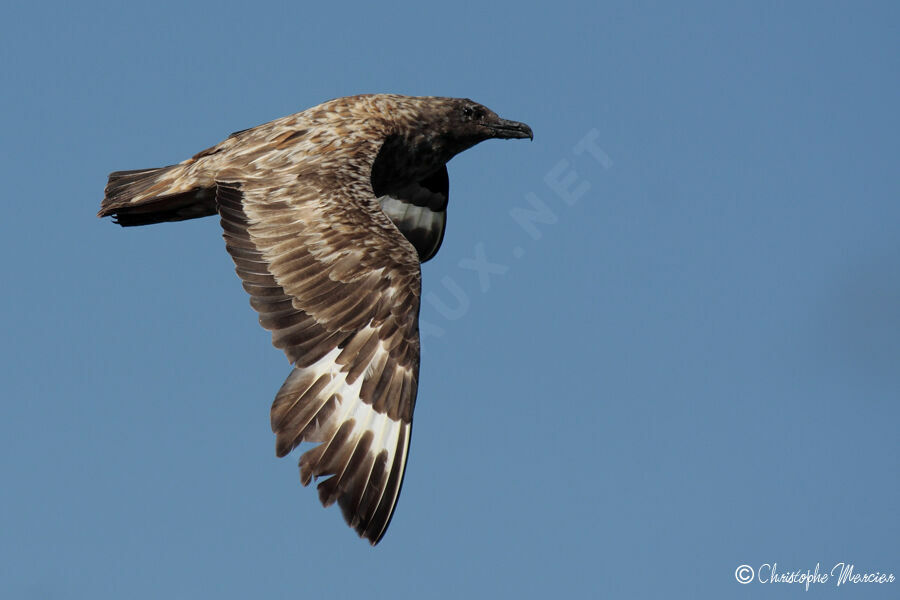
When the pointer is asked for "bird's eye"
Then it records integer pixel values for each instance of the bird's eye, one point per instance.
(473, 113)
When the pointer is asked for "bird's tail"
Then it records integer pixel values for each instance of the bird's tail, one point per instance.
(147, 196)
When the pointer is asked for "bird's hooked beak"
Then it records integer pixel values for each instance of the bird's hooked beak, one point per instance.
(507, 130)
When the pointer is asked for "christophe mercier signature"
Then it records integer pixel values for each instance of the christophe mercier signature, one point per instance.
(840, 574)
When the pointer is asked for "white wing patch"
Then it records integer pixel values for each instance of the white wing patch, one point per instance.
(363, 450)
(423, 226)
(410, 215)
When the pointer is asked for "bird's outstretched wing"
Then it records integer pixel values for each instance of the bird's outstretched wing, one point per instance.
(339, 289)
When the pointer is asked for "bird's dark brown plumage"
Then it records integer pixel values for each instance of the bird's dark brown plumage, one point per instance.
(327, 214)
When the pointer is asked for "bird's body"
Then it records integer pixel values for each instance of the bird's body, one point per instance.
(327, 214)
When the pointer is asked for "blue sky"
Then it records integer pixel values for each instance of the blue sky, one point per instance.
(690, 365)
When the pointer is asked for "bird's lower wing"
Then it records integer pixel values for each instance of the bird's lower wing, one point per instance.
(339, 289)
(419, 210)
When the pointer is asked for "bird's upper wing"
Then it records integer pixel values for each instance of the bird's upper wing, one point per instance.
(338, 286)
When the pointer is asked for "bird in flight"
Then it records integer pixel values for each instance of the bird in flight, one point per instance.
(327, 215)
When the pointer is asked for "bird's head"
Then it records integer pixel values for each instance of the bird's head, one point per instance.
(471, 123)
(456, 124)
(418, 134)
(434, 129)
